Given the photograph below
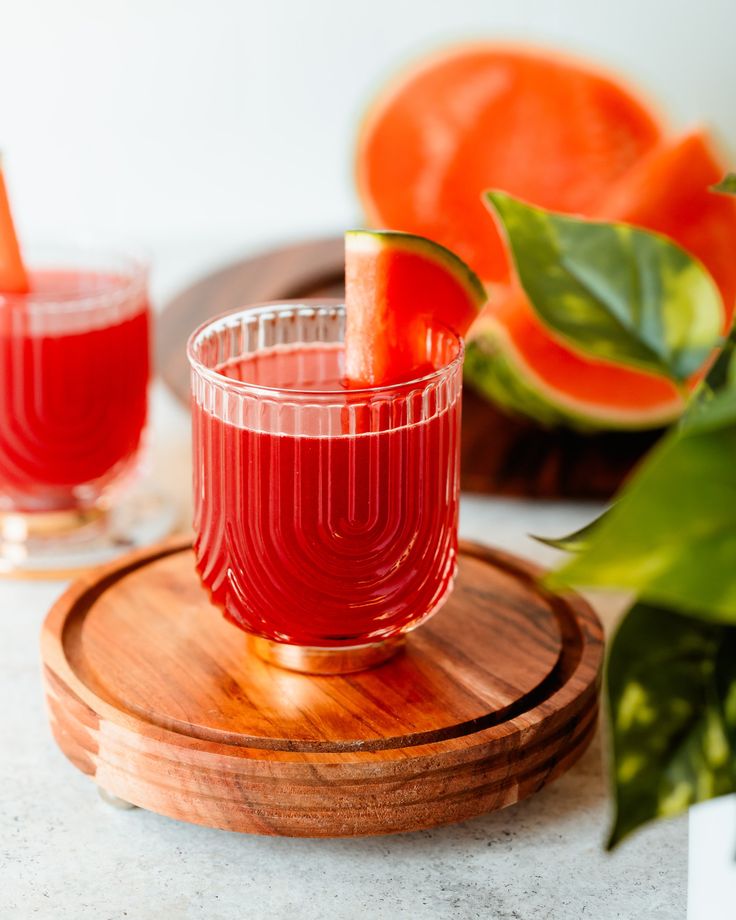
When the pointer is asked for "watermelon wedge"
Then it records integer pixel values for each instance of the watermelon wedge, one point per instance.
(13, 277)
(546, 128)
(398, 285)
(514, 360)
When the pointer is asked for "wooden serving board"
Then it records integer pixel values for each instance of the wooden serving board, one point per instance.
(152, 693)
(500, 454)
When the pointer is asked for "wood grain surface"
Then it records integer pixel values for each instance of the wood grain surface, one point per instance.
(152, 693)
(500, 454)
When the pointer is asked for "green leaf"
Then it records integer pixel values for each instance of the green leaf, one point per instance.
(671, 536)
(613, 291)
(574, 542)
(727, 185)
(671, 695)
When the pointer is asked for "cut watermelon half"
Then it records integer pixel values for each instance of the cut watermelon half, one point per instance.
(551, 130)
(397, 286)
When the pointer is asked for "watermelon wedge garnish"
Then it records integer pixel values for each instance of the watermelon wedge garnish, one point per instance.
(13, 277)
(397, 286)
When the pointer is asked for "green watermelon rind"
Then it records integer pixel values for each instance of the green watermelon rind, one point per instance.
(428, 249)
(495, 370)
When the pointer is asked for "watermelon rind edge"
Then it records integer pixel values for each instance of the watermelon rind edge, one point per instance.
(494, 368)
(421, 245)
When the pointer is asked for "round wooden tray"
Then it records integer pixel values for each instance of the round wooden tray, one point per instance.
(500, 454)
(152, 693)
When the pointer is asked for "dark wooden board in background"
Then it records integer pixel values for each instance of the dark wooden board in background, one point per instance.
(154, 695)
(500, 454)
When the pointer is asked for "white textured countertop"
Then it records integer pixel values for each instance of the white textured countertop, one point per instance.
(66, 855)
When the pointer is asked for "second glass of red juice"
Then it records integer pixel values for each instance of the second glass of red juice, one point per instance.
(325, 517)
(74, 373)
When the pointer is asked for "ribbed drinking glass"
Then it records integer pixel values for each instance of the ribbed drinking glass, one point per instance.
(325, 516)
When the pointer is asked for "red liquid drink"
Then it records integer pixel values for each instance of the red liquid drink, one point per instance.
(74, 368)
(325, 517)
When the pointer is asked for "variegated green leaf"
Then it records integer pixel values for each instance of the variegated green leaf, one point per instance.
(702, 415)
(671, 536)
(671, 695)
(614, 291)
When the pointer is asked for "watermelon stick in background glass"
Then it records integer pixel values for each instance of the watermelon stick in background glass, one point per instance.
(13, 276)
(326, 456)
(74, 370)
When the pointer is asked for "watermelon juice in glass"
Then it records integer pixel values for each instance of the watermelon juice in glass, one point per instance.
(325, 515)
(74, 371)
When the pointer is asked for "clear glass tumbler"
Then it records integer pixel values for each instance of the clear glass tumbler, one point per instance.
(325, 517)
(74, 371)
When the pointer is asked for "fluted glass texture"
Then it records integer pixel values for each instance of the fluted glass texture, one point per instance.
(324, 516)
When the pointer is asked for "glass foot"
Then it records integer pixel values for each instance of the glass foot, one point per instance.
(63, 543)
(324, 660)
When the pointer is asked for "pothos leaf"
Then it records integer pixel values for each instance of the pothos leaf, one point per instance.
(613, 291)
(672, 699)
(671, 536)
(701, 415)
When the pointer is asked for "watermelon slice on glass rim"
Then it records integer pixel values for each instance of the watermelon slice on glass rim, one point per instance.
(397, 286)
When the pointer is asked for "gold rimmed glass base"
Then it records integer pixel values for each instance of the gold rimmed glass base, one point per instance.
(324, 660)
(60, 544)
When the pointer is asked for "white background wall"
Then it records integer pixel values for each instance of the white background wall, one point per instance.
(231, 122)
